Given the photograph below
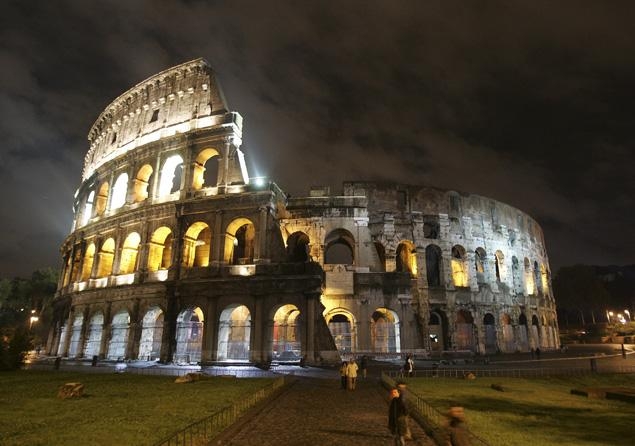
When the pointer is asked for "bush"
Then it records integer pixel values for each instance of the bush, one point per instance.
(14, 346)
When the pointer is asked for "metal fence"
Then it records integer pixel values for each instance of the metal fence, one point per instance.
(202, 431)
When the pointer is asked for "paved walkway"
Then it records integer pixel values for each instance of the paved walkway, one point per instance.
(313, 411)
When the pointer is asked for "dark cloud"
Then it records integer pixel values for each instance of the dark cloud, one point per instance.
(526, 102)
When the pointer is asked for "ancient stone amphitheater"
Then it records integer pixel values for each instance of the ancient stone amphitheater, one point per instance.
(177, 255)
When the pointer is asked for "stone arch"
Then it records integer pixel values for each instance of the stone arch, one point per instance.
(240, 242)
(286, 333)
(151, 334)
(342, 325)
(517, 276)
(196, 245)
(508, 333)
(119, 192)
(459, 266)
(119, 335)
(129, 252)
(76, 336)
(438, 330)
(464, 332)
(499, 264)
(480, 264)
(529, 278)
(535, 331)
(523, 338)
(433, 265)
(102, 198)
(95, 332)
(105, 258)
(141, 183)
(189, 335)
(87, 266)
(489, 324)
(234, 333)
(384, 331)
(544, 278)
(406, 258)
(171, 173)
(205, 172)
(160, 249)
(339, 247)
(537, 279)
(298, 247)
(88, 208)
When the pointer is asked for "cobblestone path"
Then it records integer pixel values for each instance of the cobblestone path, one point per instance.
(317, 412)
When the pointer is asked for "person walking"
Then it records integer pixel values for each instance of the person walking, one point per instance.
(343, 374)
(408, 366)
(397, 417)
(456, 431)
(364, 365)
(351, 374)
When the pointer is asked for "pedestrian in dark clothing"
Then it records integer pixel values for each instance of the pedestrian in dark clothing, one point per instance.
(537, 352)
(398, 418)
(364, 365)
(343, 374)
(457, 433)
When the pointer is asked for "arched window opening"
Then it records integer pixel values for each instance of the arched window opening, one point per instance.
(544, 276)
(119, 335)
(160, 249)
(384, 331)
(76, 336)
(529, 278)
(286, 335)
(433, 265)
(342, 330)
(499, 259)
(381, 254)
(406, 258)
(480, 262)
(87, 266)
(105, 259)
(205, 172)
(189, 336)
(234, 334)
(298, 247)
(119, 192)
(535, 331)
(489, 323)
(464, 334)
(508, 334)
(151, 334)
(88, 208)
(77, 260)
(170, 181)
(240, 242)
(141, 183)
(339, 248)
(537, 279)
(102, 199)
(95, 329)
(196, 245)
(129, 253)
(61, 340)
(437, 328)
(459, 266)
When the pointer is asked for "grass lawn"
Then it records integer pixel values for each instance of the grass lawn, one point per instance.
(536, 411)
(117, 409)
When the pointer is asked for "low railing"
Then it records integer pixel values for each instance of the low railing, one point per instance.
(202, 431)
(427, 416)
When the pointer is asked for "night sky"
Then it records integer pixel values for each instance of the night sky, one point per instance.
(531, 103)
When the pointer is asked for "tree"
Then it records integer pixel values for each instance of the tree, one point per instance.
(578, 289)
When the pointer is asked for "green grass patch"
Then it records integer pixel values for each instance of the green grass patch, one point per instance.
(117, 408)
(535, 411)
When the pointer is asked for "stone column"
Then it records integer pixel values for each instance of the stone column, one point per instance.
(210, 338)
(134, 333)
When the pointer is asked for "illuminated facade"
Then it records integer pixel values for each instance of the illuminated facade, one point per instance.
(177, 254)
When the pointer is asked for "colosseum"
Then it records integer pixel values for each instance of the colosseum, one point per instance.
(177, 255)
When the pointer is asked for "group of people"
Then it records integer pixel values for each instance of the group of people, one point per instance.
(456, 433)
(348, 372)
